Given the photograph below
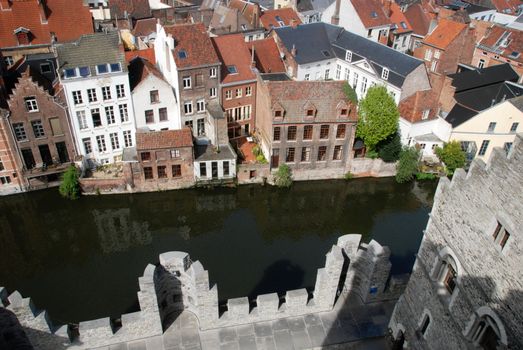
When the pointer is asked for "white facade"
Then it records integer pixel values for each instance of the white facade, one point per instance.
(163, 46)
(427, 134)
(221, 167)
(99, 9)
(155, 105)
(402, 42)
(101, 111)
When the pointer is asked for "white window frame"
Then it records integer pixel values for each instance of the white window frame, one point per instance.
(228, 94)
(248, 91)
(212, 92)
(120, 91)
(77, 97)
(82, 120)
(106, 93)
(128, 138)
(213, 73)
(385, 74)
(187, 106)
(186, 82)
(31, 105)
(348, 56)
(200, 106)
(428, 54)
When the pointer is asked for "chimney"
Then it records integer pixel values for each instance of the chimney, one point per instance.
(293, 51)
(335, 19)
(43, 11)
(5, 5)
(294, 23)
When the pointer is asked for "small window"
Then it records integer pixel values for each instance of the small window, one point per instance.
(149, 116)
(248, 91)
(232, 69)
(276, 134)
(116, 67)
(20, 131)
(30, 104)
(128, 139)
(310, 112)
(290, 155)
(212, 73)
(200, 106)
(212, 92)
(77, 97)
(162, 172)
(228, 94)
(148, 173)
(120, 91)
(425, 114)
(84, 71)
(514, 127)
(306, 154)
(100, 141)
(385, 74)
(106, 93)
(226, 171)
(109, 114)
(45, 68)
(203, 169)
(69, 73)
(87, 145)
(324, 132)
(425, 324)
(187, 107)
(340, 131)
(501, 235)
(182, 54)
(291, 133)
(175, 153)
(91, 95)
(322, 153)
(491, 127)
(338, 152)
(238, 93)
(145, 156)
(186, 82)
(38, 128)
(163, 114)
(483, 148)
(428, 54)
(177, 170)
(348, 56)
(154, 96)
(102, 69)
(277, 114)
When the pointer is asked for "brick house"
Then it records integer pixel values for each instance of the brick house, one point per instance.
(401, 30)
(32, 26)
(500, 45)
(308, 125)
(161, 160)
(40, 128)
(238, 84)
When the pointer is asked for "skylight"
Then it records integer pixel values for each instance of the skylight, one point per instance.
(116, 67)
(232, 69)
(514, 54)
(70, 73)
(182, 54)
(84, 71)
(403, 25)
(374, 14)
(278, 18)
(326, 53)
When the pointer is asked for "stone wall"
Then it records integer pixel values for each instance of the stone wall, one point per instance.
(362, 167)
(92, 185)
(488, 282)
(261, 171)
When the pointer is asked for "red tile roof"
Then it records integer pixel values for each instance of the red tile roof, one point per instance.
(267, 56)
(514, 41)
(194, 40)
(164, 139)
(233, 52)
(133, 8)
(507, 6)
(444, 33)
(286, 15)
(68, 19)
(419, 19)
(371, 13)
(144, 27)
(398, 18)
(148, 54)
(249, 10)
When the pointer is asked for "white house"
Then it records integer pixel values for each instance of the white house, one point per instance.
(154, 100)
(94, 75)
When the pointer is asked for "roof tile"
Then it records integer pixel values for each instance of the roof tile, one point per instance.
(164, 139)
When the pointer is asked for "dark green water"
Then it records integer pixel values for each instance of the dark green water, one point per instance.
(81, 259)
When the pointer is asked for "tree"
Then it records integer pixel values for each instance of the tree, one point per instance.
(379, 116)
(389, 149)
(70, 186)
(350, 93)
(283, 177)
(452, 155)
(408, 164)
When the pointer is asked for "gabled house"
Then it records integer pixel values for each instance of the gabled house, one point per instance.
(401, 30)
(310, 11)
(422, 18)
(93, 72)
(32, 26)
(500, 45)
(266, 56)
(279, 18)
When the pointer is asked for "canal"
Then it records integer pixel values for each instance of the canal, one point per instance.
(81, 259)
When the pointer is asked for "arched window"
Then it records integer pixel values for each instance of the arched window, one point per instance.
(486, 334)
(447, 270)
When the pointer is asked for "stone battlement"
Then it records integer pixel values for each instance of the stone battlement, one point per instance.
(178, 284)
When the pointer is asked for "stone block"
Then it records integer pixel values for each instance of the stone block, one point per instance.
(350, 244)
(268, 304)
(97, 331)
(238, 307)
(296, 298)
(174, 261)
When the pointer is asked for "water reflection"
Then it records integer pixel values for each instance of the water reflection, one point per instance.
(80, 260)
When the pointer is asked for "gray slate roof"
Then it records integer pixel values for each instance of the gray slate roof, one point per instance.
(517, 102)
(91, 50)
(312, 42)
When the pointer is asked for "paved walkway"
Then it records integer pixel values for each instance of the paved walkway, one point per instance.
(353, 324)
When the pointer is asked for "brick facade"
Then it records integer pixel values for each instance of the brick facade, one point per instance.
(240, 111)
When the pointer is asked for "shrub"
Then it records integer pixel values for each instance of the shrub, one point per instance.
(260, 158)
(408, 164)
(452, 155)
(70, 186)
(283, 177)
(425, 176)
(349, 176)
(389, 150)
(372, 154)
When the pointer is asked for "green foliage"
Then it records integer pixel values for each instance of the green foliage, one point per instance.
(350, 93)
(283, 177)
(261, 159)
(372, 154)
(452, 155)
(70, 186)
(408, 164)
(256, 150)
(349, 176)
(379, 116)
(389, 149)
(426, 176)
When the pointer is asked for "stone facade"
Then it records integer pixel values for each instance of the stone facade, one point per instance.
(465, 289)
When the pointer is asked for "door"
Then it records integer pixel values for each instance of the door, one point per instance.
(45, 153)
(214, 169)
(29, 160)
(275, 159)
(61, 149)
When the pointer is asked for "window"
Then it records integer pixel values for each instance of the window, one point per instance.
(177, 170)
(307, 132)
(4, 180)
(228, 94)
(290, 155)
(278, 114)
(238, 93)
(124, 115)
(338, 72)
(348, 56)
(87, 145)
(340, 131)
(226, 170)
(324, 132)
(322, 152)
(338, 152)
(363, 85)
(310, 112)
(56, 127)
(187, 107)
(38, 128)
(428, 54)
(189, 123)
(425, 114)
(120, 91)
(97, 119)
(232, 69)
(20, 131)
(115, 67)
(84, 71)
(483, 148)
(481, 63)
(514, 127)
(106, 93)
(149, 116)
(30, 104)
(115, 142)
(200, 106)
(354, 80)
(200, 126)
(434, 66)
(163, 114)
(486, 334)
(248, 91)
(425, 324)
(276, 134)
(100, 141)
(346, 74)
(203, 169)
(307, 77)
(385, 74)
(449, 278)
(9, 61)
(501, 235)
(69, 73)
(326, 75)
(247, 112)
(175, 153)
(91, 95)
(148, 172)
(291, 133)
(128, 140)
(437, 53)
(491, 127)
(77, 97)
(212, 73)
(109, 114)
(344, 112)
(306, 154)
(102, 69)
(212, 92)
(162, 171)
(186, 82)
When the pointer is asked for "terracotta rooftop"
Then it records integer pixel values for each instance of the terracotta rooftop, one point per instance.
(249, 10)
(192, 45)
(164, 139)
(68, 19)
(371, 13)
(505, 42)
(444, 34)
(144, 27)
(267, 56)
(279, 18)
(507, 6)
(235, 57)
(133, 8)
(398, 19)
(419, 18)
(140, 69)
(148, 54)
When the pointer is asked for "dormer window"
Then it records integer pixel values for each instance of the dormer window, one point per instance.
(385, 74)
(348, 56)
(102, 69)
(22, 35)
(84, 71)
(232, 69)
(278, 114)
(343, 112)
(182, 54)
(115, 67)
(310, 112)
(69, 73)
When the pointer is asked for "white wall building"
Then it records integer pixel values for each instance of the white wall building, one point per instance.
(94, 75)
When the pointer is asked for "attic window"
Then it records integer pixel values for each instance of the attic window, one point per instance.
(343, 112)
(182, 54)
(84, 71)
(514, 54)
(277, 114)
(22, 35)
(102, 69)
(385, 74)
(232, 69)
(70, 73)
(115, 67)
(403, 25)
(348, 56)
(373, 14)
(326, 53)
(310, 112)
